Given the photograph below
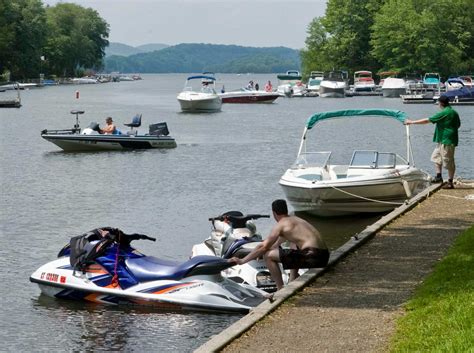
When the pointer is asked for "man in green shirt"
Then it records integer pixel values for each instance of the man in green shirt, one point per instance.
(446, 136)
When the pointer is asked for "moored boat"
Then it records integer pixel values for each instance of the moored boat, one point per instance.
(89, 139)
(363, 81)
(371, 182)
(393, 87)
(333, 85)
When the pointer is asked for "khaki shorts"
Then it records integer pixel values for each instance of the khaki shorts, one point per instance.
(444, 155)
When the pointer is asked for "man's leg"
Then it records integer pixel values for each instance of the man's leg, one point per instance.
(436, 158)
(272, 259)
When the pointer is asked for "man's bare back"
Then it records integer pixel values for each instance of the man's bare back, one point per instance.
(300, 232)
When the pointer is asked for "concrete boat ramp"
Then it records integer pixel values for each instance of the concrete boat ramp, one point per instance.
(352, 305)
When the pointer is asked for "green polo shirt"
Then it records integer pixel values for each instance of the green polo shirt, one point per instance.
(447, 124)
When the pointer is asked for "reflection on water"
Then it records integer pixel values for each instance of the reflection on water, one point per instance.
(336, 231)
(93, 327)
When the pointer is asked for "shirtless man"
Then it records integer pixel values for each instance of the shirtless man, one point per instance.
(109, 126)
(308, 248)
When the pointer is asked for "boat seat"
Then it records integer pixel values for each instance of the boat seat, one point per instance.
(136, 121)
(149, 268)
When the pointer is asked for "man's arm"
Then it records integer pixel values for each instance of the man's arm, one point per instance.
(261, 248)
(420, 121)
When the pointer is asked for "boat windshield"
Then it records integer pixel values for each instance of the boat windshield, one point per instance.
(374, 159)
(312, 159)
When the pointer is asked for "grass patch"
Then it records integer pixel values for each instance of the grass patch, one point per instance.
(440, 316)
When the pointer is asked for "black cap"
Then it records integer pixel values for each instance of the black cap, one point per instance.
(444, 100)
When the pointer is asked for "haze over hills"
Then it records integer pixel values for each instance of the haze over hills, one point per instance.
(183, 58)
(121, 49)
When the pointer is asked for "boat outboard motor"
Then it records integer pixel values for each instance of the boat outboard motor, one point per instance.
(92, 129)
(159, 129)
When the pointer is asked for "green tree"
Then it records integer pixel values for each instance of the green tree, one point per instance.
(76, 40)
(314, 57)
(422, 35)
(22, 35)
(341, 39)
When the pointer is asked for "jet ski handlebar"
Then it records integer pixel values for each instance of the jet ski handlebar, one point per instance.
(237, 220)
(248, 217)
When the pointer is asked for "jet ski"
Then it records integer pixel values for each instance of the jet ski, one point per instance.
(101, 266)
(234, 234)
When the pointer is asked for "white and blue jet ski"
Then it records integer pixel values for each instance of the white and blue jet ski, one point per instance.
(100, 266)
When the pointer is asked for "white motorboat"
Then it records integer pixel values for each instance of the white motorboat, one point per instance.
(363, 81)
(89, 139)
(372, 182)
(85, 80)
(333, 85)
(245, 95)
(290, 84)
(393, 87)
(314, 82)
(205, 100)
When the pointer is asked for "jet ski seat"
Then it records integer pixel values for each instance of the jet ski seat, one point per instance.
(150, 268)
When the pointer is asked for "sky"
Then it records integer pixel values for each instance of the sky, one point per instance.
(256, 23)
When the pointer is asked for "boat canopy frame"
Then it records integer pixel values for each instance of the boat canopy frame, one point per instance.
(348, 113)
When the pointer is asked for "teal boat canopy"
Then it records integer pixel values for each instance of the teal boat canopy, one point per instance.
(395, 114)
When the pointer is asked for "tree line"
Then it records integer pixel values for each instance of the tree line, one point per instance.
(61, 40)
(207, 57)
(407, 36)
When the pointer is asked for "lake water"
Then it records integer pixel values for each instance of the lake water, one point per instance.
(231, 160)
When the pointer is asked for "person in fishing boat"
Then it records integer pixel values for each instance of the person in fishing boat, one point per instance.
(308, 249)
(109, 127)
(446, 136)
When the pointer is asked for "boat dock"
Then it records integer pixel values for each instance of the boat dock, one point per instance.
(352, 305)
(11, 102)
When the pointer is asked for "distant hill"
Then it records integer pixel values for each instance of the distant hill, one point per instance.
(127, 50)
(145, 48)
(207, 57)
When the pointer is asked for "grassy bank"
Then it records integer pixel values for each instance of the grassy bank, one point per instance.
(440, 316)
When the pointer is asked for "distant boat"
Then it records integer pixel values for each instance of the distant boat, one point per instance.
(85, 80)
(204, 100)
(333, 85)
(244, 95)
(314, 81)
(363, 81)
(393, 87)
(463, 94)
(290, 84)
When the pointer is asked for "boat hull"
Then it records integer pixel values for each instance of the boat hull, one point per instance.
(88, 143)
(338, 198)
(393, 92)
(332, 89)
(197, 104)
(242, 98)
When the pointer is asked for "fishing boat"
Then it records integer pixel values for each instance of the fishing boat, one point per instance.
(90, 138)
(205, 100)
(371, 182)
